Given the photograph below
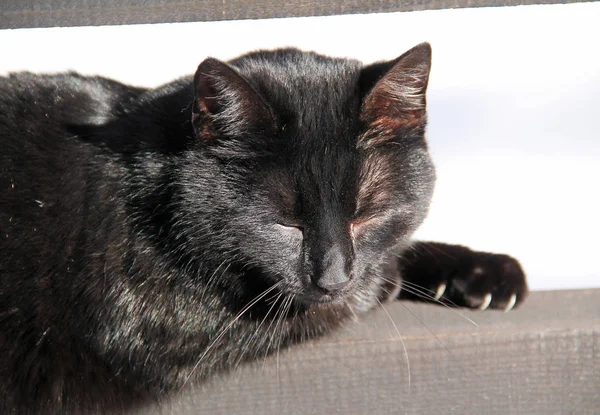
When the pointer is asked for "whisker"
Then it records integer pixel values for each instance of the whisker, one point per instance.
(427, 327)
(428, 292)
(277, 297)
(412, 288)
(351, 310)
(273, 299)
(212, 278)
(430, 248)
(235, 319)
(399, 336)
(272, 336)
(283, 316)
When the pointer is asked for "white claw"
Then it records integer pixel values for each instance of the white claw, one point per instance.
(439, 292)
(486, 302)
(511, 303)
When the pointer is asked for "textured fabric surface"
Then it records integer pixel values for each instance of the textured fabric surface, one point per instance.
(49, 13)
(543, 358)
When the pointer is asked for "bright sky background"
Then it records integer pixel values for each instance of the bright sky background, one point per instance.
(514, 107)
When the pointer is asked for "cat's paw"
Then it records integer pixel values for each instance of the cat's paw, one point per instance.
(488, 281)
(458, 276)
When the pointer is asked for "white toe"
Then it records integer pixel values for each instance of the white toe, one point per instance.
(511, 303)
(440, 291)
(486, 302)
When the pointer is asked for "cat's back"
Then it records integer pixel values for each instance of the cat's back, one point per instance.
(38, 107)
(39, 114)
(45, 167)
(39, 117)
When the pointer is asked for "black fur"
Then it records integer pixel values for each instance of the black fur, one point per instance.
(137, 225)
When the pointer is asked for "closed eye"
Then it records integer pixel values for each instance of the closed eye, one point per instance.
(360, 226)
(291, 229)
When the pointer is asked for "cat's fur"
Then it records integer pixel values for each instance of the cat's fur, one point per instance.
(151, 237)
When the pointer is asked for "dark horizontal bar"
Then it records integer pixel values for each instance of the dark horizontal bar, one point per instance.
(49, 13)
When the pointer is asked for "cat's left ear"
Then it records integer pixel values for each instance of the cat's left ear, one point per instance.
(226, 105)
(394, 95)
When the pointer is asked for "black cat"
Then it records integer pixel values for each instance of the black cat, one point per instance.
(155, 237)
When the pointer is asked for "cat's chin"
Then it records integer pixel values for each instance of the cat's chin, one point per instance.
(320, 298)
(312, 300)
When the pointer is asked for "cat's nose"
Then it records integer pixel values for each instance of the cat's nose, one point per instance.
(333, 282)
(333, 275)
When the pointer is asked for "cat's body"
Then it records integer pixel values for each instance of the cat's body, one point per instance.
(152, 237)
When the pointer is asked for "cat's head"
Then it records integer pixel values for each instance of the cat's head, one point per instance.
(313, 171)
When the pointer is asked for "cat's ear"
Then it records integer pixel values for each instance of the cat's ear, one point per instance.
(394, 95)
(226, 105)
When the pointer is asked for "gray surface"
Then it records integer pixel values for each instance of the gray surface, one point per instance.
(543, 358)
(48, 13)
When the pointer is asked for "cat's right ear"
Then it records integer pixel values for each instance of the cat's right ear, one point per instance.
(226, 105)
(393, 96)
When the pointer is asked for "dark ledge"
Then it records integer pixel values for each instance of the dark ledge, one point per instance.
(49, 13)
(543, 358)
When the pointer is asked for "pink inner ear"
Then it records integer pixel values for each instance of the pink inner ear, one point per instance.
(393, 110)
(388, 117)
(387, 128)
(233, 107)
(209, 104)
(396, 103)
(389, 125)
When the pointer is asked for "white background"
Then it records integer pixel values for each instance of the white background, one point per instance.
(514, 104)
